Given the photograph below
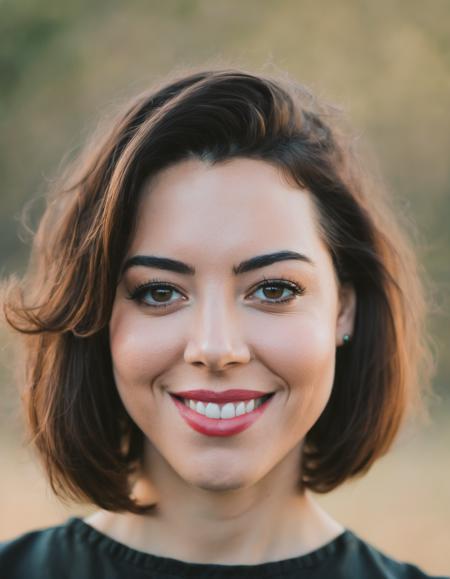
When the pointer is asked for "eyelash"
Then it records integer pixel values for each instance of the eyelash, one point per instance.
(138, 292)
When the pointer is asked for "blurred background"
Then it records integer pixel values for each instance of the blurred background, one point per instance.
(65, 66)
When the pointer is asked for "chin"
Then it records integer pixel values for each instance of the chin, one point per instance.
(219, 486)
(218, 481)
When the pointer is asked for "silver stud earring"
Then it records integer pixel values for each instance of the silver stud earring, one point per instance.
(346, 338)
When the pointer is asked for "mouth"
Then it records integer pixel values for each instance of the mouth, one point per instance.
(224, 411)
(227, 419)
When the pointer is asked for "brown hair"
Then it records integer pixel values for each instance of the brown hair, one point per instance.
(89, 444)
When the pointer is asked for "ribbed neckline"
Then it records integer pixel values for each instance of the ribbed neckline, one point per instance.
(176, 567)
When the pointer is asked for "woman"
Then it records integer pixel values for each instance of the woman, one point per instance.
(221, 316)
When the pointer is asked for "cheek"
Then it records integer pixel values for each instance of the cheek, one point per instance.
(314, 358)
(303, 353)
(139, 349)
(301, 350)
(312, 377)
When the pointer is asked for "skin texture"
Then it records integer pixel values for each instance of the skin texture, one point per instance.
(230, 500)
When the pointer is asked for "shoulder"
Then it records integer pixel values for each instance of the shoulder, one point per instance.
(47, 550)
(365, 560)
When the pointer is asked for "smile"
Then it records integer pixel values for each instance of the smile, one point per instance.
(225, 411)
(227, 419)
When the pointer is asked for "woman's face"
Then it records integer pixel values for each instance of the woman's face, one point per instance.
(216, 329)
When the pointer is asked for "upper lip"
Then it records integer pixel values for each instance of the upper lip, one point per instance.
(218, 397)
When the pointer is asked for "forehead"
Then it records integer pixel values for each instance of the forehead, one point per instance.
(236, 207)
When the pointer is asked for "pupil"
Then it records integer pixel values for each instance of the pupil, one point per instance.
(161, 293)
(272, 289)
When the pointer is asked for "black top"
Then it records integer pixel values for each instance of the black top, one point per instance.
(75, 550)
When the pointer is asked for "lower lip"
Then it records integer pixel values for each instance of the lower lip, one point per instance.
(219, 426)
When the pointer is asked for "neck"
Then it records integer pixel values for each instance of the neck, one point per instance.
(269, 521)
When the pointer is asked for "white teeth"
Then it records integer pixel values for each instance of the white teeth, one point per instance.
(228, 410)
(199, 407)
(212, 410)
(250, 406)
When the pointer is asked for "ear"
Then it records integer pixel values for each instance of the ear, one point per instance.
(346, 312)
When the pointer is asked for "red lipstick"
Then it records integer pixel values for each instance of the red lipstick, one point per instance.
(220, 397)
(219, 426)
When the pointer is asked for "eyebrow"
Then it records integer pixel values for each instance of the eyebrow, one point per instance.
(245, 266)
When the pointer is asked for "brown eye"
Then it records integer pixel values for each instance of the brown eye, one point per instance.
(274, 290)
(153, 295)
(159, 294)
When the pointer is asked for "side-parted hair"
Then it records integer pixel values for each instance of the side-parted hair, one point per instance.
(90, 447)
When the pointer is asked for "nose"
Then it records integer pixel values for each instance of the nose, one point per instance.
(216, 340)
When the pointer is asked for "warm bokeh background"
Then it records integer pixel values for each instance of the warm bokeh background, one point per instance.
(65, 66)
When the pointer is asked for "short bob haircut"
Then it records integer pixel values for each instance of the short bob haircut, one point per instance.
(90, 447)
